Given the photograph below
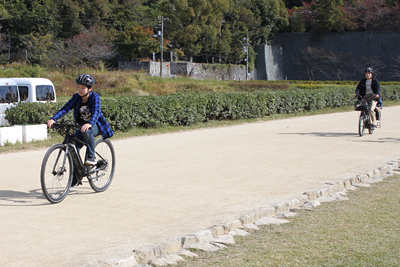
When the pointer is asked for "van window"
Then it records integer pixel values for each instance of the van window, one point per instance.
(23, 92)
(8, 94)
(44, 93)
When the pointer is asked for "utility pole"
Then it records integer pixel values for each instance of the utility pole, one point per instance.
(247, 53)
(161, 34)
(9, 45)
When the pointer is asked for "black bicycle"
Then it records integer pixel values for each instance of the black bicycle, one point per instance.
(62, 162)
(364, 106)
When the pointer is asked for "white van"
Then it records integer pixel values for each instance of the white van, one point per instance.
(36, 90)
(24, 90)
(9, 96)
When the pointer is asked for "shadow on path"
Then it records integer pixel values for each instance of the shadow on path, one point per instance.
(381, 140)
(322, 134)
(18, 198)
(34, 197)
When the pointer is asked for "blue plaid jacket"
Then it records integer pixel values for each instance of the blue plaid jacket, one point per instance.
(94, 105)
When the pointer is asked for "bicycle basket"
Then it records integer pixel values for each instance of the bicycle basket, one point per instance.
(362, 107)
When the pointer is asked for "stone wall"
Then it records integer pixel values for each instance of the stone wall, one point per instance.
(189, 69)
(357, 51)
(211, 71)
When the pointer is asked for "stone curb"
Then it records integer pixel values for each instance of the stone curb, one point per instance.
(221, 235)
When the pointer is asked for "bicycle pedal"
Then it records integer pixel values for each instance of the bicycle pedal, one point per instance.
(378, 125)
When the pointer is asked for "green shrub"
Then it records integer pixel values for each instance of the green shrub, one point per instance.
(124, 112)
(32, 113)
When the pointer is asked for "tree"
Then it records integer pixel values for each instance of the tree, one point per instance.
(133, 13)
(90, 48)
(260, 18)
(36, 48)
(320, 64)
(225, 38)
(369, 61)
(312, 61)
(329, 16)
(378, 15)
(136, 42)
(396, 68)
(297, 21)
(194, 25)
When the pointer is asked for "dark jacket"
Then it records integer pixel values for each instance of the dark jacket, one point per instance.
(375, 86)
(94, 105)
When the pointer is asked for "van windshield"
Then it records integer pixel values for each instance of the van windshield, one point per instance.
(8, 94)
(44, 93)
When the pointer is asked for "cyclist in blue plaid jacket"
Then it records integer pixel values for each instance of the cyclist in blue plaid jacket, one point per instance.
(87, 113)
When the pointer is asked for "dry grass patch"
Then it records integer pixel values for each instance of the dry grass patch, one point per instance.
(363, 231)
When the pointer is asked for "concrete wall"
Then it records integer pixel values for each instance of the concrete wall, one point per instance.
(150, 67)
(357, 48)
(269, 62)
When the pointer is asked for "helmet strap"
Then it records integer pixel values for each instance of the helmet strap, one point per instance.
(86, 94)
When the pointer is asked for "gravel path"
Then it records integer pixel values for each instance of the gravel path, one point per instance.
(170, 185)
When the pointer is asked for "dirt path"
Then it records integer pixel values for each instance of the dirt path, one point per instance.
(170, 185)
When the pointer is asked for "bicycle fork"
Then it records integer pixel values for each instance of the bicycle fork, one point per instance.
(62, 169)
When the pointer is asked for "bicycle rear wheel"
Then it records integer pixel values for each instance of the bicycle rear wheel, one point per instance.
(56, 174)
(103, 173)
(361, 124)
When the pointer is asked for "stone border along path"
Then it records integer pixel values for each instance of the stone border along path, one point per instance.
(218, 236)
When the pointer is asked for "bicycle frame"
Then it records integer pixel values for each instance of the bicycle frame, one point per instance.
(71, 149)
(82, 169)
(364, 106)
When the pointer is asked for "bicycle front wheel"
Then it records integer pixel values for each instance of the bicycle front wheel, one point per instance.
(56, 174)
(361, 124)
(101, 177)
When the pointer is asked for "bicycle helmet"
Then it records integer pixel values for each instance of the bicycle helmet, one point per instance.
(369, 69)
(85, 79)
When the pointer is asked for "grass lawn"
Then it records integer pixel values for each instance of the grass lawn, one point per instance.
(362, 231)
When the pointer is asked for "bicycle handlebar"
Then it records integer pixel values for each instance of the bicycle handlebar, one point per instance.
(64, 125)
(371, 97)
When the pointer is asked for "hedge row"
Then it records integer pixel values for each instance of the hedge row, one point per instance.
(189, 108)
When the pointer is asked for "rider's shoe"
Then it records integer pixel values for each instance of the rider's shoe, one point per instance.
(372, 126)
(91, 161)
(75, 180)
